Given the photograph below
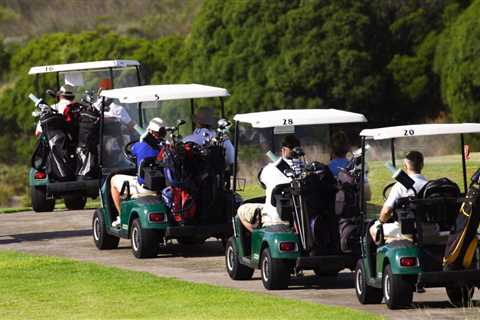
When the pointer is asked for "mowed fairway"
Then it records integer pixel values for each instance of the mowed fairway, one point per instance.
(38, 287)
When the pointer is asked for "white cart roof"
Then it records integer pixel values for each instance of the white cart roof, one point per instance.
(420, 130)
(164, 92)
(84, 66)
(298, 117)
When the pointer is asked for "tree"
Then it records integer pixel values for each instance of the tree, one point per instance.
(457, 61)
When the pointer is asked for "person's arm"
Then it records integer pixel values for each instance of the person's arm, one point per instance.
(387, 209)
(229, 152)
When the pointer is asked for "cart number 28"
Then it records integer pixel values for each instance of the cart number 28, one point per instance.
(287, 122)
(410, 132)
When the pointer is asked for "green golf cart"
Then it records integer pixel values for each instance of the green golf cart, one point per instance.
(148, 220)
(83, 77)
(313, 240)
(393, 268)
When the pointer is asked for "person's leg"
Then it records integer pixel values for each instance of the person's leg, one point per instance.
(246, 213)
(115, 187)
(374, 230)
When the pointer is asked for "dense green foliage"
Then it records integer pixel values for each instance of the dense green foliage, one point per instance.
(395, 61)
(35, 287)
(458, 62)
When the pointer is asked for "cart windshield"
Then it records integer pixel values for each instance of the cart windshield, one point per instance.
(442, 158)
(255, 143)
(171, 111)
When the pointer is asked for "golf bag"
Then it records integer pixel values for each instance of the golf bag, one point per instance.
(317, 194)
(462, 242)
(347, 209)
(88, 139)
(59, 162)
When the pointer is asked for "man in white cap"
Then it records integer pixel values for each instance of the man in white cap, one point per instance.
(65, 97)
(204, 120)
(148, 146)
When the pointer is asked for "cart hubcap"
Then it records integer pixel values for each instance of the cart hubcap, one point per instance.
(230, 257)
(265, 269)
(386, 286)
(96, 229)
(135, 239)
(359, 281)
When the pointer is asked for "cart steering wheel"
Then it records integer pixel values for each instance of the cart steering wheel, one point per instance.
(386, 189)
(127, 152)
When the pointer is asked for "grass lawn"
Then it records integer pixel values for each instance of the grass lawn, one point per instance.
(38, 287)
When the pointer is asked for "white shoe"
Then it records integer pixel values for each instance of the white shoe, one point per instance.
(116, 223)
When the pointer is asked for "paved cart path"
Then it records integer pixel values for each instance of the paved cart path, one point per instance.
(68, 234)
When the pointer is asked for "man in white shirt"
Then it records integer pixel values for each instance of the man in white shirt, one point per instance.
(204, 120)
(413, 164)
(272, 175)
(65, 97)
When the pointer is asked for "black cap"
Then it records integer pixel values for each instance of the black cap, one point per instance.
(290, 141)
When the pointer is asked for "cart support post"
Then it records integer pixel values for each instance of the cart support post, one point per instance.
(392, 150)
(235, 161)
(464, 166)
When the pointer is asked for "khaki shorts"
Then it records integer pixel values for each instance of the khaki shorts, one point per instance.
(136, 189)
(246, 212)
(393, 231)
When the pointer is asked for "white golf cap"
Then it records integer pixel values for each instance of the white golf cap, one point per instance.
(155, 124)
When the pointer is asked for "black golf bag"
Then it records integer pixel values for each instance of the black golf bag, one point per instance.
(60, 165)
(347, 209)
(88, 139)
(314, 197)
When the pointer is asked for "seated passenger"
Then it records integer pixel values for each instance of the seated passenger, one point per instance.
(338, 156)
(65, 97)
(204, 120)
(413, 164)
(148, 146)
(272, 174)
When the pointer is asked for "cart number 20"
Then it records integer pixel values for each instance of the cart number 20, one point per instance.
(287, 122)
(410, 132)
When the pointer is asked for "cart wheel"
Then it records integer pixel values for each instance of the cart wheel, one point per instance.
(365, 293)
(75, 202)
(40, 203)
(235, 269)
(460, 296)
(398, 292)
(275, 273)
(144, 242)
(102, 239)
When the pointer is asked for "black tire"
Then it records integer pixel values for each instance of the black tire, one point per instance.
(235, 269)
(40, 203)
(397, 291)
(75, 202)
(102, 239)
(460, 296)
(365, 293)
(145, 243)
(275, 272)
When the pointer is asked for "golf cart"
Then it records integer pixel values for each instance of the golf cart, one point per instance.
(312, 240)
(149, 220)
(437, 242)
(83, 77)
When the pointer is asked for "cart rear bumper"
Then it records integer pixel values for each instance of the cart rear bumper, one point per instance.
(447, 278)
(85, 187)
(327, 263)
(200, 232)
